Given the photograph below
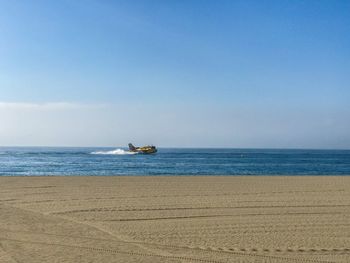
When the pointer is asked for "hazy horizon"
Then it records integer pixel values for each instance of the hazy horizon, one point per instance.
(116, 147)
(208, 74)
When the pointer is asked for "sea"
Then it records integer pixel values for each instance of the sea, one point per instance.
(48, 161)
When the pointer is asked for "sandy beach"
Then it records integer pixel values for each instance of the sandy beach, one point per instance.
(174, 219)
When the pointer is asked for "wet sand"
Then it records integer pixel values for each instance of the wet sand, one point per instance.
(174, 219)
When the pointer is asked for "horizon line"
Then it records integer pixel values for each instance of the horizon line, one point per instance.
(184, 147)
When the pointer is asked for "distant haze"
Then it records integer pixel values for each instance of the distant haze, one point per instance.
(167, 125)
(256, 74)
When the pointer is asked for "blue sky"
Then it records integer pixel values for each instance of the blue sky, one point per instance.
(192, 73)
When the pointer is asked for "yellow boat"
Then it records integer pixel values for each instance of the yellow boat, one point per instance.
(144, 149)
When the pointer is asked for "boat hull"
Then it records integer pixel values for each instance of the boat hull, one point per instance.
(147, 150)
(144, 149)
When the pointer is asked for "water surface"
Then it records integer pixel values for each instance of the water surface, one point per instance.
(117, 161)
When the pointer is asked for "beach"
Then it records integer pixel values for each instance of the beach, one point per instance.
(175, 219)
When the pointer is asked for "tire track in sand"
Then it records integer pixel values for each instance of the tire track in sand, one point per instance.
(114, 251)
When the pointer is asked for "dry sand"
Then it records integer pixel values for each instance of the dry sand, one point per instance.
(174, 219)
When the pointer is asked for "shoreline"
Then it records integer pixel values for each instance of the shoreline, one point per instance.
(184, 175)
(174, 218)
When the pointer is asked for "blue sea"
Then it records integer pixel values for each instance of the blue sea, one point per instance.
(32, 161)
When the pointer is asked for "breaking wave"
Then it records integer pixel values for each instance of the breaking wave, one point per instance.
(114, 152)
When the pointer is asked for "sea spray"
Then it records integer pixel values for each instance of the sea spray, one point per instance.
(114, 152)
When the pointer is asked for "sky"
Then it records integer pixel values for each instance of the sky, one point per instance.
(175, 73)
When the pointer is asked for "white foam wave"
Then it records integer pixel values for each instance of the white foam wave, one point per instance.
(114, 152)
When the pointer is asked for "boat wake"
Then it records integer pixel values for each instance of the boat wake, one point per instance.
(115, 152)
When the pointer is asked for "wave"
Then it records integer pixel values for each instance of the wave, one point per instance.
(115, 152)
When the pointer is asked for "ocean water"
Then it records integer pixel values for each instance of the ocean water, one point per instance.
(33, 161)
